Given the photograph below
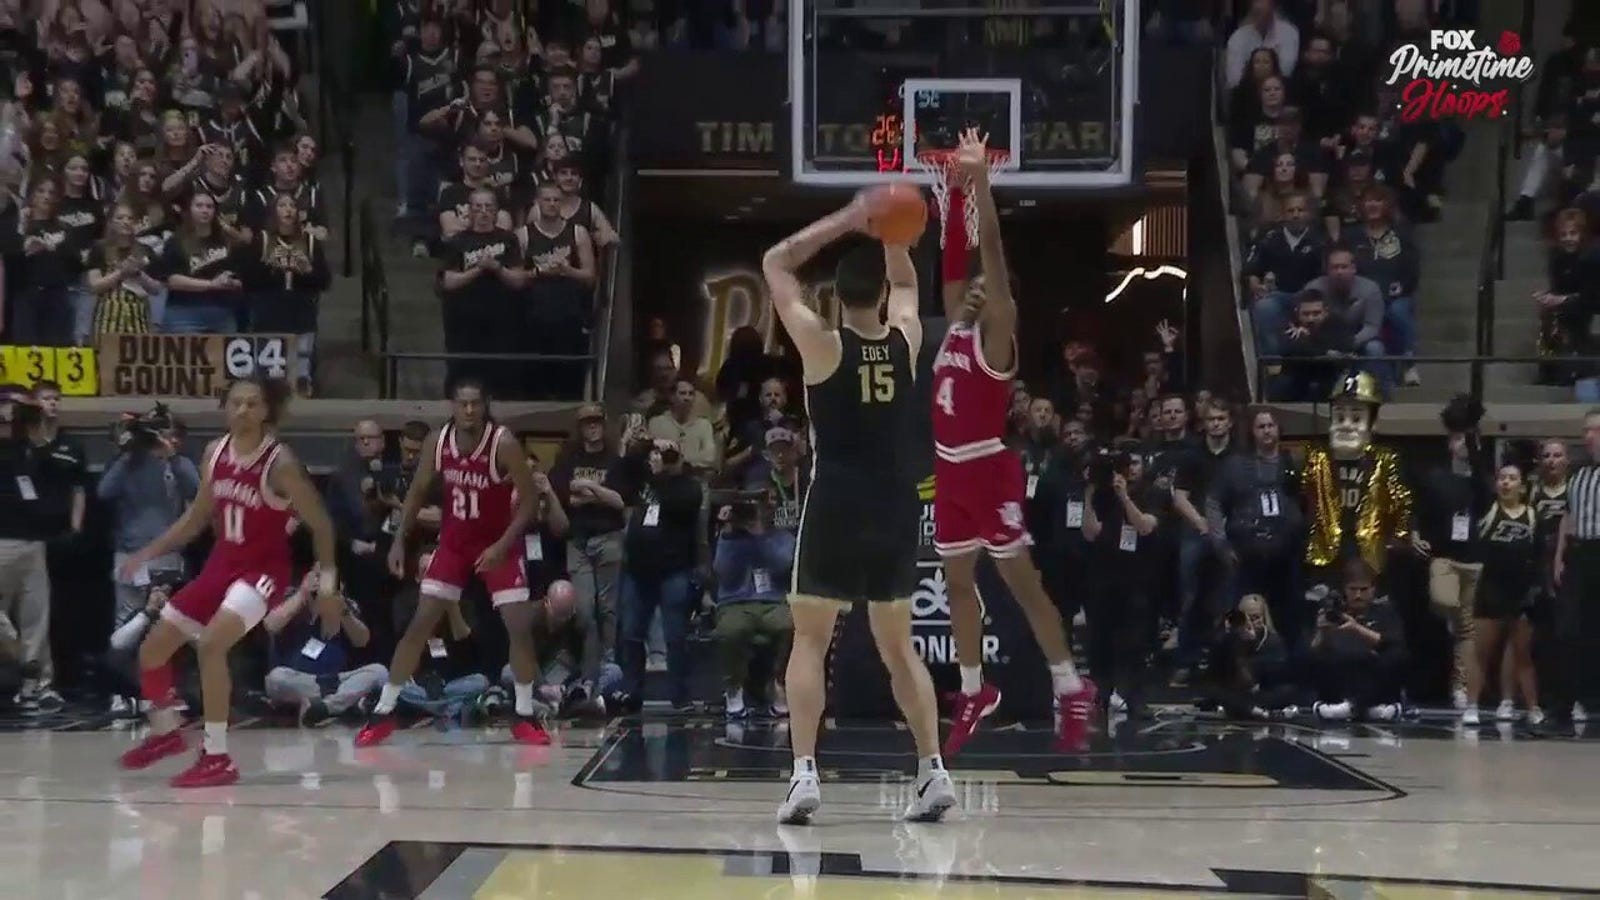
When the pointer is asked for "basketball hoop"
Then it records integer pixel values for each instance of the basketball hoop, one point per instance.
(941, 165)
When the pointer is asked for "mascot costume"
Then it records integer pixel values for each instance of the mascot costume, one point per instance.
(1356, 502)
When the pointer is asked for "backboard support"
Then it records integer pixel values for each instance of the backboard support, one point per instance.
(1061, 103)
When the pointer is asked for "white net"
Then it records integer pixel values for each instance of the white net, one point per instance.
(942, 166)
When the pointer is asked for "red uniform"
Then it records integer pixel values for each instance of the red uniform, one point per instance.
(479, 503)
(979, 485)
(250, 567)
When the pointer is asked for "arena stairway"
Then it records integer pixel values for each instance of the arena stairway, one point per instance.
(1453, 248)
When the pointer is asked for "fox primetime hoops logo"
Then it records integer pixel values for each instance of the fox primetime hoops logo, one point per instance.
(1453, 77)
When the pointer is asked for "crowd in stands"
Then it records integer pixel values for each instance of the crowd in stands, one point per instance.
(503, 128)
(1560, 187)
(159, 175)
(1330, 183)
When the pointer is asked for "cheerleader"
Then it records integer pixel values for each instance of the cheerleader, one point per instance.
(1506, 592)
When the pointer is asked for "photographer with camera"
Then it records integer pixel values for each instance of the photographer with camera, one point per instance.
(1452, 499)
(44, 501)
(1358, 652)
(752, 564)
(660, 552)
(1249, 674)
(1121, 512)
(361, 511)
(147, 486)
(312, 672)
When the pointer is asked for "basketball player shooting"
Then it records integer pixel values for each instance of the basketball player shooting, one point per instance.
(490, 500)
(859, 524)
(979, 485)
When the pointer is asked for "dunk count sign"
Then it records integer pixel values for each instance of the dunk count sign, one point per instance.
(189, 365)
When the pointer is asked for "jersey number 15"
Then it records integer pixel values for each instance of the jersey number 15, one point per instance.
(877, 382)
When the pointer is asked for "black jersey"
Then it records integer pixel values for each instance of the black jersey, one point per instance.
(859, 413)
(546, 249)
(1509, 548)
(430, 82)
(859, 523)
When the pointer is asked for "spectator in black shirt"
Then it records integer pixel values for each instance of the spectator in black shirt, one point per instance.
(41, 314)
(560, 262)
(1341, 208)
(1244, 98)
(1322, 86)
(1311, 164)
(1283, 259)
(1387, 254)
(562, 120)
(200, 270)
(1055, 519)
(1120, 518)
(1318, 345)
(1358, 652)
(478, 286)
(288, 178)
(1450, 499)
(587, 477)
(1249, 133)
(231, 127)
(83, 211)
(56, 477)
(660, 553)
(286, 272)
(1568, 306)
(1257, 522)
(455, 199)
(616, 49)
(227, 189)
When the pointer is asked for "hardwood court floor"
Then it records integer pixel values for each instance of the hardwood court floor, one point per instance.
(1176, 807)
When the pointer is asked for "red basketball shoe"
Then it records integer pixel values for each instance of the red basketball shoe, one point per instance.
(154, 749)
(210, 770)
(970, 709)
(376, 731)
(1072, 718)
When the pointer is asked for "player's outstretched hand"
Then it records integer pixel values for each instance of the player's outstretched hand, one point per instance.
(972, 155)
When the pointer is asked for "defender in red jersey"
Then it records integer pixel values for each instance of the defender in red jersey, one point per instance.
(490, 497)
(979, 486)
(251, 491)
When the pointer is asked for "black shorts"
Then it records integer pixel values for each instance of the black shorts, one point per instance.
(858, 539)
(1501, 601)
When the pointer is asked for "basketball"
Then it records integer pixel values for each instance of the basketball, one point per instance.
(560, 599)
(896, 212)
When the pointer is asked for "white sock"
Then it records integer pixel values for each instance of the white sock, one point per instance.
(1064, 676)
(387, 698)
(971, 679)
(927, 765)
(163, 720)
(524, 698)
(216, 741)
(805, 765)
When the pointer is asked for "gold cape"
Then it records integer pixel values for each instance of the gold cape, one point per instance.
(1384, 515)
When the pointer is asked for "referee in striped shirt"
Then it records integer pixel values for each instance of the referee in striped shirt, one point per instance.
(1576, 625)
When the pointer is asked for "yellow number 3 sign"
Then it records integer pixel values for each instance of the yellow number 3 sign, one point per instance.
(71, 367)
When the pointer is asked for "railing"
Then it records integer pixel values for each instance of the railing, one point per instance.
(393, 360)
(606, 307)
(1476, 364)
(1492, 265)
(374, 287)
(336, 109)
